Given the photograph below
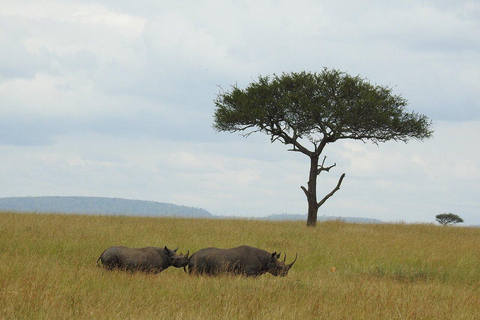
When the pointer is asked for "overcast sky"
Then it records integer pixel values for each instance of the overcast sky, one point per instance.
(115, 99)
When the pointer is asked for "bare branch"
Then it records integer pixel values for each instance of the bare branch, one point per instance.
(323, 162)
(294, 149)
(323, 168)
(331, 193)
(304, 190)
(279, 133)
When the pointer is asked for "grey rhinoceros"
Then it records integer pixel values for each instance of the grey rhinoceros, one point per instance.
(149, 259)
(242, 260)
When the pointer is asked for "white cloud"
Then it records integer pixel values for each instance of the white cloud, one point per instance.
(63, 28)
(399, 182)
(178, 45)
(116, 99)
(438, 175)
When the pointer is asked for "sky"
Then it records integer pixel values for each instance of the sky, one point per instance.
(115, 99)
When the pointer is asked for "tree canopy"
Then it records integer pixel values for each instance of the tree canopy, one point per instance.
(310, 110)
(321, 107)
(448, 218)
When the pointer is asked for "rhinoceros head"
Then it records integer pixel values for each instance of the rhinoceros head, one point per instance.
(175, 259)
(277, 267)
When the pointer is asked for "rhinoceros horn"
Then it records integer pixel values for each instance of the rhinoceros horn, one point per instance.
(291, 264)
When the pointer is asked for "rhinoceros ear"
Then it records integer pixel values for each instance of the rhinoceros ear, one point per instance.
(272, 255)
(166, 250)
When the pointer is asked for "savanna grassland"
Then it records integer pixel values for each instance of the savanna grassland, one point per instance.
(343, 271)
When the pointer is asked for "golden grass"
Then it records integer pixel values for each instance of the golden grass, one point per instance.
(387, 271)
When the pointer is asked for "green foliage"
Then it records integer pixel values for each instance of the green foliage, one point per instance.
(448, 218)
(328, 106)
(319, 108)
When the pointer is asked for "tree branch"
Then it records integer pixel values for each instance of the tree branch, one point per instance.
(280, 133)
(304, 190)
(331, 193)
(323, 168)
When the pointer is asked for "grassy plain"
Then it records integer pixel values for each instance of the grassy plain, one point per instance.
(384, 271)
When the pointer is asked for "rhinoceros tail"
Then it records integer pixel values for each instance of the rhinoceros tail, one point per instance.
(100, 257)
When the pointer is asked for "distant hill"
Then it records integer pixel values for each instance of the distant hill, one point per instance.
(303, 217)
(98, 205)
(117, 206)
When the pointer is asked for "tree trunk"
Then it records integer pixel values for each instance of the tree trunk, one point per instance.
(311, 193)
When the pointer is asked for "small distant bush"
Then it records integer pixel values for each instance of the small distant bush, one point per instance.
(448, 218)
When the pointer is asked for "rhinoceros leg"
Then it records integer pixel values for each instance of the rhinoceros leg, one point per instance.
(252, 272)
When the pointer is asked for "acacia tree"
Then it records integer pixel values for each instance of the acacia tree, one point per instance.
(310, 110)
(448, 218)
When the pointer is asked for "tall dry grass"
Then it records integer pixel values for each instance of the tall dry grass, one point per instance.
(387, 271)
